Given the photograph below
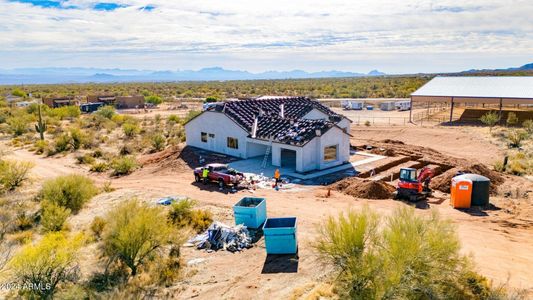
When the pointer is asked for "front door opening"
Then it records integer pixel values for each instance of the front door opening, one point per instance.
(288, 158)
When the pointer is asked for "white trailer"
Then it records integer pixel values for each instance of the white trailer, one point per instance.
(403, 105)
(387, 106)
(353, 105)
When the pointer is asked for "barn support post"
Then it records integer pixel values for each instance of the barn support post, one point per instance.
(451, 111)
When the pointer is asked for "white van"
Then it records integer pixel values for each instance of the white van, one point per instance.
(403, 105)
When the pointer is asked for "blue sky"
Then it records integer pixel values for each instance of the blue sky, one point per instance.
(393, 36)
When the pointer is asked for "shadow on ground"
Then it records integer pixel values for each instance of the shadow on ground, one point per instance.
(280, 263)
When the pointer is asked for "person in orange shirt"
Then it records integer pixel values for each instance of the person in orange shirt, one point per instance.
(276, 176)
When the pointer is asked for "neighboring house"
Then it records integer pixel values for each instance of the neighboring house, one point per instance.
(301, 133)
(105, 99)
(130, 102)
(55, 102)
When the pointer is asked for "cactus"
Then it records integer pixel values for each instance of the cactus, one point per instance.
(40, 127)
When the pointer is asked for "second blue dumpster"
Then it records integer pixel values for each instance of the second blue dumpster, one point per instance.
(250, 211)
(280, 235)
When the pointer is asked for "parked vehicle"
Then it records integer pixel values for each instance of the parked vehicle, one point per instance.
(90, 107)
(403, 105)
(353, 105)
(219, 173)
(387, 106)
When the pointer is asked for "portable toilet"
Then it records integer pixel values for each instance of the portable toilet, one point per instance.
(461, 192)
(250, 211)
(480, 189)
(280, 235)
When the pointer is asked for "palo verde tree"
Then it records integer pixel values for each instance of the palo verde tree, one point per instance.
(490, 119)
(136, 232)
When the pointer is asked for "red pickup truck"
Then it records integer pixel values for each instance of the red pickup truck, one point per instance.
(219, 173)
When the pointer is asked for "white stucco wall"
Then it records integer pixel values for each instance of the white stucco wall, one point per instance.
(222, 127)
(313, 152)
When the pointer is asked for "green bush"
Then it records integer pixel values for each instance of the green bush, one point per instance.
(97, 226)
(85, 159)
(123, 165)
(62, 143)
(528, 126)
(490, 119)
(158, 142)
(48, 263)
(19, 93)
(155, 100)
(135, 233)
(70, 191)
(18, 125)
(405, 257)
(106, 111)
(41, 146)
(99, 167)
(13, 174)
(182, 215)
(173, 119)
(516, 137)
(512, 119)
(53, 216)
(130, 129)
(64, 112)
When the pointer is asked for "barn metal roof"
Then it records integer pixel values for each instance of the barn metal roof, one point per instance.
(478, 87)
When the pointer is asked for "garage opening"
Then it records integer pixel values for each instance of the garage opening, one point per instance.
(288, 158)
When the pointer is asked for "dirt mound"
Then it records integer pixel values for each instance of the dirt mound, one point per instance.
(178, 158)
(443, 182)
(362, 188)
(389, 141)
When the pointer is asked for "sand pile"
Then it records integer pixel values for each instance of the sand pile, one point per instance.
(443, 182)
(181, 158)
(362, 188)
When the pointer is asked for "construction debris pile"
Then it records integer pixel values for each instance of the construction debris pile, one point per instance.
(362, 188)
(221, 236)
(443, 181)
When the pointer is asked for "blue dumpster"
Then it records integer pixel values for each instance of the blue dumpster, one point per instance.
(280, 235)
(250, 211)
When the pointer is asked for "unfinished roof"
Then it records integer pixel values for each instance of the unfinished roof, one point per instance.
(478, 87)
(290, 129)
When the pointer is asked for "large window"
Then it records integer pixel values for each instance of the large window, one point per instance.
(233, 143)
(204, 137)
(330, 153)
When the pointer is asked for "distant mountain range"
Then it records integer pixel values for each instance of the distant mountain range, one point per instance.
(528, 67)
(83, 75)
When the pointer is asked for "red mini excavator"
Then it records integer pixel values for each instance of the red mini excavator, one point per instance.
(412, 187)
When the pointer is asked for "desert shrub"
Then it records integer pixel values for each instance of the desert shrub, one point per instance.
(155, 100)
(158, 142)
(85, 159)
(136, 232)
(498, 166)
(97, 226)
(13, 174)
(130, 129)
(41, 146)
(528, 126)
(182, 215)
(69, 111)
(47, 264)
(18, 125)
(22, 237)
(62, 143)
(123, 165)
(107, 187)
(24, 221)
(70, 191)
(19, 93)
(53, 216)
(512, 119)
(97, 153)
(409, 257)
(118, 119)
(173, 119)
(77, 138)
(516, 137)
(490, 119)
(367, 123)
(99, 167)
(106, 111)
(191, 115)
